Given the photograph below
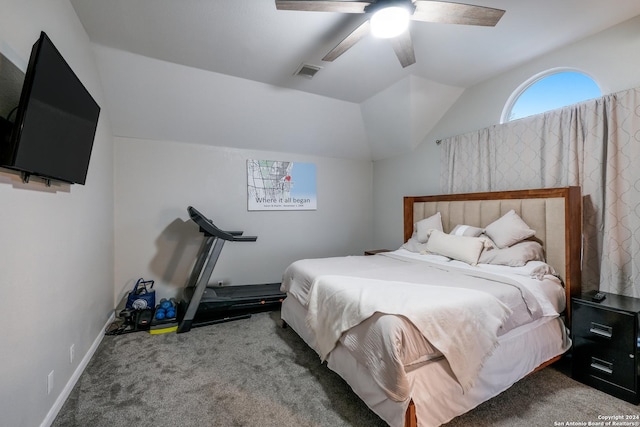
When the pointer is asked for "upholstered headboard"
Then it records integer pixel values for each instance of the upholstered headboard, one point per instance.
(555, 214)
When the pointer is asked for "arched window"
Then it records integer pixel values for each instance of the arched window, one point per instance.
(548, 91)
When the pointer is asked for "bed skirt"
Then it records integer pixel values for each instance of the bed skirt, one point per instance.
(437, 396)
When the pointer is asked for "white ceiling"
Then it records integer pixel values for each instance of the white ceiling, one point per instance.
(252, 40)
(196, 71)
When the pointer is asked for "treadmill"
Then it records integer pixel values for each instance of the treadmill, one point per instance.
(206, 305)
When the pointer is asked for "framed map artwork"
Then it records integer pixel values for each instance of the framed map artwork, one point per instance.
(274, 185)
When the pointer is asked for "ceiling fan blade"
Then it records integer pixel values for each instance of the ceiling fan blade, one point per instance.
(456, 13)
(348, 41)
(322, 6)
(403, 47)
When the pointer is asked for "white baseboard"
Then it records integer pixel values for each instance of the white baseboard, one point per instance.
(66, 391)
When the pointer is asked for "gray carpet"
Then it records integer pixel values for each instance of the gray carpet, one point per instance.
(252, 373)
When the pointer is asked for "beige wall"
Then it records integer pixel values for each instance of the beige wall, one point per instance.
(157, 180)
(56, 244)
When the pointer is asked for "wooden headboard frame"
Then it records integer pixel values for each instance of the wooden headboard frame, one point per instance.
(555, 214)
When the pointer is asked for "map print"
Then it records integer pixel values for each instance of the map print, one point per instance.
(281, 185)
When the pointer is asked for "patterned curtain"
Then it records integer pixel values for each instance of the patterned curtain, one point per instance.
(595, 145)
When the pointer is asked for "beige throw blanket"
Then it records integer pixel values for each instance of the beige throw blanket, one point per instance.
(461, 323)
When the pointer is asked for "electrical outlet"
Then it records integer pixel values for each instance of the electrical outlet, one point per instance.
(50, 382)
(72, 351)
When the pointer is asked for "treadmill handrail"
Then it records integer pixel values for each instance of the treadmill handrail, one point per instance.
(207, 227)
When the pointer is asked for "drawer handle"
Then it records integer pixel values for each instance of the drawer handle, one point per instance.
(602, 365)
(602, 330)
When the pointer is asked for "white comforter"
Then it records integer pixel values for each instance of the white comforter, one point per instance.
(389, 345)
(463, 326)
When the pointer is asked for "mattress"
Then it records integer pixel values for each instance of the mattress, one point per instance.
(406, 266)
(437, 396)
(420, 371)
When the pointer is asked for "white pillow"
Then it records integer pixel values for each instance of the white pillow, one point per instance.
(413, 245)
(514, 256)
(462, 248)
(466, 230)
(424, 226)
(508, 230)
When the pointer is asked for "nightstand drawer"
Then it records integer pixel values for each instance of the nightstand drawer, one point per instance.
(614, 328)
(592, 359)
(606, 344)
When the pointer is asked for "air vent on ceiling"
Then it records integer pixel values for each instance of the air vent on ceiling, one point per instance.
(307, 70)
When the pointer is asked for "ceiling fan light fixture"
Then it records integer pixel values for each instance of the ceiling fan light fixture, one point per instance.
(390, 22)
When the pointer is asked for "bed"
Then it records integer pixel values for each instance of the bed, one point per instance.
(456, 315)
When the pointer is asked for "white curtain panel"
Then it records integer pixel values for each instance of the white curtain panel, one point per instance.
(595, 145)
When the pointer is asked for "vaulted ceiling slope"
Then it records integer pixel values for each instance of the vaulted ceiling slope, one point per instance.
(252, 40)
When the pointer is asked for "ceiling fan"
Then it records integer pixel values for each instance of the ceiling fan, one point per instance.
(387, 13)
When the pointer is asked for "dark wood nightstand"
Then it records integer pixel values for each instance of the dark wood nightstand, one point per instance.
(606, 344)
(376, 251)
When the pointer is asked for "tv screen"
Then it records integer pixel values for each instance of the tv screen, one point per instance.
(56, 120)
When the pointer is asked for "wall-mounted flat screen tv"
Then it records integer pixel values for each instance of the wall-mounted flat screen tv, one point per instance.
(56, 120)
